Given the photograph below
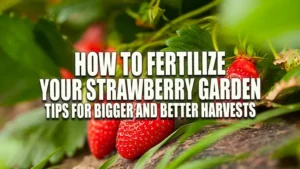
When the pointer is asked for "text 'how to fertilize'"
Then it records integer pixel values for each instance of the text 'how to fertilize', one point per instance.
(159, 84)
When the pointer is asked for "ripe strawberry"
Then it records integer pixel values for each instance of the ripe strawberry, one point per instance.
(65, 73)
(102, 135)
(242, 68)
(137, 136)
(87, 46)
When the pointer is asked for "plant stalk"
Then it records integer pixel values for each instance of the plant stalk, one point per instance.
(183, 17)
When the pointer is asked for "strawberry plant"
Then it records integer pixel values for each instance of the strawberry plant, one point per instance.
(39, 39)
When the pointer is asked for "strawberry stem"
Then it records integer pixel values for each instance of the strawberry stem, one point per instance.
(153, 44)
(157, 3)
(276, 56)
(214, 38)
(84, 92)
(244, 45)
(198, 11)
(142, 49)
(132, 14)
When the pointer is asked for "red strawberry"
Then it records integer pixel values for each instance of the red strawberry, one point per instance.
(242, 68)
(102, 135)
(65, 73)
(92, 39)
(87, 46)
(137, 136)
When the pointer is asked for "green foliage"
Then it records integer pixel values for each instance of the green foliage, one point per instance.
(29, 51)
(211, 162)
(5, 4)
(290, 149)
(85, 11)
(31, 8)
(82, 12)
(191, 38)
(294, 73)
(23, 61)
(43, 163)
(262, 20)
(269, 77)
(183, 129)
(166, 158)
(110, 161)
(177, 4)
(37, 138)
(52, 42)
(124, 26)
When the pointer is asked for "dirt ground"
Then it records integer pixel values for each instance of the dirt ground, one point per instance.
(268, 137)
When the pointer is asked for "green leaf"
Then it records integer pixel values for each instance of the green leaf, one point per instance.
(110, 161)
(166, 158)
(294, 73)
(177, 4)
(6, 4)
(261, 20)
(190, 130)
(33, 138)
(143, 160)
(85, 11)
(191, 38)
(291, 148)
(51, 40)
(269, 77)
(211, 162)
(207, 141)
(125, 28)
(42, 164)
(23, 62)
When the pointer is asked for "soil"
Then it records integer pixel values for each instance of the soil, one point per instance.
(266, 138)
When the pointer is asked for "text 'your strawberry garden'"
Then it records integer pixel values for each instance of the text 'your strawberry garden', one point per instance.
(164, 84)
